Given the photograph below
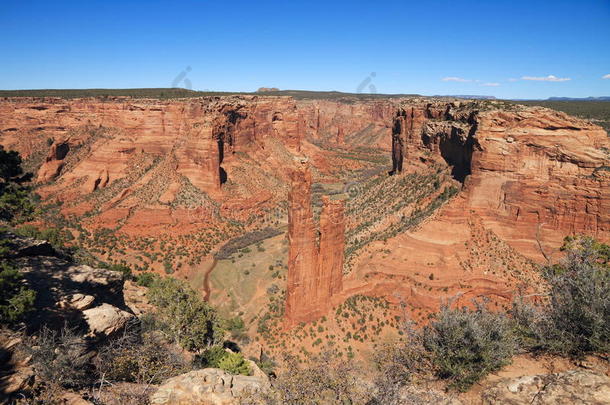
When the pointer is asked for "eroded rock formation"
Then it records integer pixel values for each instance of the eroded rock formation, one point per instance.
(200, 133)
(528, 172)
(315, 271)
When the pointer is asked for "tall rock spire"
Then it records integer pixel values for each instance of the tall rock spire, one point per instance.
(315, 272)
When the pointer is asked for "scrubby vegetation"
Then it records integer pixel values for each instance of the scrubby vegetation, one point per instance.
(575, 318)
(60, 360)
(140, 355)
(16, 299)
(184, 315)
(16, 204)
(59, 238)
(465, 345)
(385, 206)
(218, 357)
(324, 380)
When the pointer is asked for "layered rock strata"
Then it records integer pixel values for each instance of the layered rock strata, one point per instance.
(533, 175)
(315, 271)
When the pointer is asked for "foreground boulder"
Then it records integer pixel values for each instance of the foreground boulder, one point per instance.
(209, 386)
(106, 319)
(89, 297)
(570, 387)
(20, 246)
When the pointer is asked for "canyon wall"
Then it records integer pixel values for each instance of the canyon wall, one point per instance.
(533, 175)
(349, 124)
(199, 133)
(315, 270)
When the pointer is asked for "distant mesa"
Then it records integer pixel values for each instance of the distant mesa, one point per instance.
(602, 98)
(468, 96)
(267, 89)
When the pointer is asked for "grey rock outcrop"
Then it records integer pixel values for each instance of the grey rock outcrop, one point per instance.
(66, 291)
(106, 319)
(568, 388)
(209, 386)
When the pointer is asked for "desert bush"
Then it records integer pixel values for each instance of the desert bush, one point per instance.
(575, 319)
(322, 380)
(16, 299)
(60, 359)
(146, 279)
(396, 363)
(143, 358)
(465, 345)
(236, 327)
(234, 363)
(217, 357)
(182, 313)
(121, 268)
(209, 358)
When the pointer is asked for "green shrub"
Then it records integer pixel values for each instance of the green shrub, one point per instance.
(16, 300)
(234, 363)
(217, 357)
(15, 204)
(120, 267)
(465, 345)
(236, 327)
(184, 315)
(146, 279)
(210, 357)
(167, 266)
(576, 318)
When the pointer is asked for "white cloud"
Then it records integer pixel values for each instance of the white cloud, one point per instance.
(512, 79)
(606, 76)
(491, 84)
(455, 79)
(549, 78)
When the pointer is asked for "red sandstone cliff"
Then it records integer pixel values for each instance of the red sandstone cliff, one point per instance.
(315, 271)
(527, 172)
(332, 246)
(301, 288)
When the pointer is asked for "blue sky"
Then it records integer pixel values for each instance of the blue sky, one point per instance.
(509, 49)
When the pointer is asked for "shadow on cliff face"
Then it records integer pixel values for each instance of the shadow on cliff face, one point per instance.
(223, 176)
(457, 155)
(221, 155)
(456, 148)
